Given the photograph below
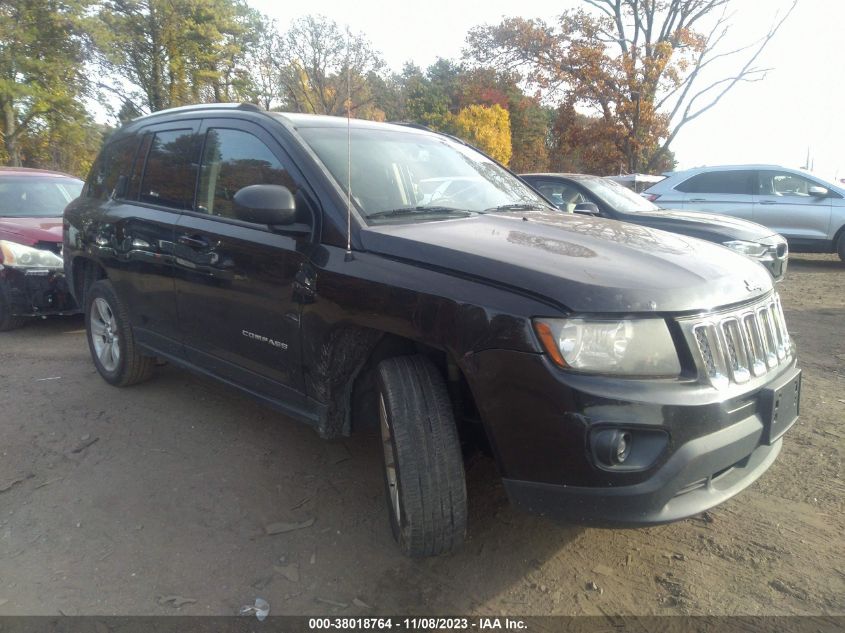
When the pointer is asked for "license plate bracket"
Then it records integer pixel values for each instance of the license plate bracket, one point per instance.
(780, 405)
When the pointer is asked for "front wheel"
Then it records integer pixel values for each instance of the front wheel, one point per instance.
(423, 467)
(111, 340)
(840, 246)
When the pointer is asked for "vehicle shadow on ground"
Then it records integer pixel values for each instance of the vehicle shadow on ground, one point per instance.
(342, 481)
(52, 325)
(806, 264)
(223, 467)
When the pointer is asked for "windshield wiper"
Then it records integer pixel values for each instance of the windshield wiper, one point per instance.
(518, 206)
(416, 210)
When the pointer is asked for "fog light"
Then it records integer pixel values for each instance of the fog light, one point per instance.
(623, 447)
(612, 447)
(628, 449)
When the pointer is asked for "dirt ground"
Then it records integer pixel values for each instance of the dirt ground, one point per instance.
(155, 500)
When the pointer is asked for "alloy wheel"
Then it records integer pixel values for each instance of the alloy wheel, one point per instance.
(104, 334)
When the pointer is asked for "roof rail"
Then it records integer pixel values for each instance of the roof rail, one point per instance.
(416, 126)
(205, 106)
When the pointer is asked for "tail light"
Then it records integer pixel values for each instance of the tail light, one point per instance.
(651, 197)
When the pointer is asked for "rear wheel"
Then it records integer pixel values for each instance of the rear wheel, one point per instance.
(111, 340)
(423, 467)
(7, 320)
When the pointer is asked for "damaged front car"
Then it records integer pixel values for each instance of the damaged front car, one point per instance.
(32, 281)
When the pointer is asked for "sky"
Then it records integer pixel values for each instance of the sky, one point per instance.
(796, 108)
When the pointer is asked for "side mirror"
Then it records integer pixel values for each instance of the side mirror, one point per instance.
(586, 208)
(818, 192)
(272, 205)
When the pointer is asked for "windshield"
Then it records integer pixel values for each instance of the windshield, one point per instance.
(409, 176)
(33, 197)
(616, 196)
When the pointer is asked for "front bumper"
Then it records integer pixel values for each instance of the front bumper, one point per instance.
(540, 426)
(692, 481)
(37, 292)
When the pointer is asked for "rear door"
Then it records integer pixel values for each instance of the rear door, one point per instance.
(729, 192)
(137, 237)
(783, 203)
(235, 280)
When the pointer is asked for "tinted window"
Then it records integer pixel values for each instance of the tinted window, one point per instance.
(231, 160)
(115, 161)
(737, 182)
(782, 183)
(134, 188)
(171, 171)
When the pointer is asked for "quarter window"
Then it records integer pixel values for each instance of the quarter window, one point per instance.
(724, 182)
(115, 161)
(171, 172)
(231, 160)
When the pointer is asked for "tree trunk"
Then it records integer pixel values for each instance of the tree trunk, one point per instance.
(10, 134)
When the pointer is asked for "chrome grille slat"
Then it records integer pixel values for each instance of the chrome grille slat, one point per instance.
(755, 344)
(768, 332)
(735, 345)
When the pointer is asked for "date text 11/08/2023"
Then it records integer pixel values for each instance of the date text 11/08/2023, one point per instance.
(418, 624)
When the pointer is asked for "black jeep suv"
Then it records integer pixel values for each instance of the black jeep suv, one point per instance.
(351, 273)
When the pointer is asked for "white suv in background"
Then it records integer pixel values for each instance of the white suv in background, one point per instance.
(808, 211)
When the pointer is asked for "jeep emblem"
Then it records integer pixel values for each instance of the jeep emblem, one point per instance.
(753, 286)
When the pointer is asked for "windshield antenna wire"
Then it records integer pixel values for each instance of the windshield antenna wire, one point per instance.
(348, 151)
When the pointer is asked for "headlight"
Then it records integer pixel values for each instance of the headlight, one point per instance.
(751, 249)
(631, 347)
(20, 256)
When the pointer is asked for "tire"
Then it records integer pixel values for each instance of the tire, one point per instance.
(7, 320)
(111, 340)
(422, 463)
(840, 246)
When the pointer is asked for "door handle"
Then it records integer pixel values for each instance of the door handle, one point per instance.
(697, 200)
(767, 202)
(193, 241)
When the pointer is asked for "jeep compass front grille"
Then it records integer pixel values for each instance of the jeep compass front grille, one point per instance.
(736, 345)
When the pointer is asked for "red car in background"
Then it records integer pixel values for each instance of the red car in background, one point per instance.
(32, 281)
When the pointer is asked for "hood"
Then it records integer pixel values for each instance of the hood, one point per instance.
(706, 226)
(584, 263)
(30, 231)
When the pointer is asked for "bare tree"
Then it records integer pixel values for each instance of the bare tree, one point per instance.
(320, 59)
(640, 64)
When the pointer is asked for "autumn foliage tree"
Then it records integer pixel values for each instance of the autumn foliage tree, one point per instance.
(488, 128)
(635, 64)
(43, 48)
(604, 89)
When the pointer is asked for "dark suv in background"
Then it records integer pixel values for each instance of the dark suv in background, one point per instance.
(355, 274)
(582, 193)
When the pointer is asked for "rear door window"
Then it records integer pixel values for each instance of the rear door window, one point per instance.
(722, 182)
(170, 173)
